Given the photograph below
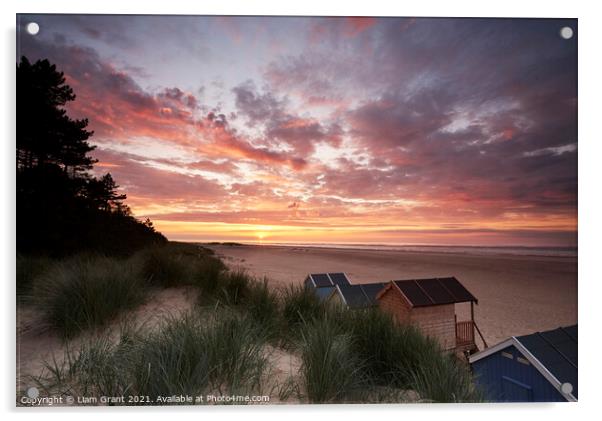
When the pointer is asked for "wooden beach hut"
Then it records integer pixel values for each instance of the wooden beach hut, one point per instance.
(540, 367)
(430, 305)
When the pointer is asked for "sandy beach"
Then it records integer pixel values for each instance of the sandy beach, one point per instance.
(517, 294)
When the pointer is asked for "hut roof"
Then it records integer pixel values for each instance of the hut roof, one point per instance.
(320, 280)
(360, 295)
(433, 291)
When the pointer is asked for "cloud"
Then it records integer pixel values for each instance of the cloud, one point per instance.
(358, 24)
(147, 185)
(255, 106)
(225, 142)
(115, 104)
(280, 126)
(120, 110)
(355, 122)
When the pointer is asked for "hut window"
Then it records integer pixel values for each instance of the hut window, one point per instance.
(523, 360)
(507, 355)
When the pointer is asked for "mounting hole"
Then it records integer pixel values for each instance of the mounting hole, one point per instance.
(33, 28)
(566, 388)
(566, 32)
(33, 392)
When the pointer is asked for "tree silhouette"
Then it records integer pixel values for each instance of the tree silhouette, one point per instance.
(61, 207)
(103, 195)
(45, 134)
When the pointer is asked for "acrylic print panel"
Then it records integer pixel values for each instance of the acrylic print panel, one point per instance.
(178, 177)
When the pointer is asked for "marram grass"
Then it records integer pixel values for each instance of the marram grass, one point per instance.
(220, 353)
(347, 356)
(86, 292)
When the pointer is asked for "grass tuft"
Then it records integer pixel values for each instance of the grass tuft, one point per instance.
(300, 305)
(392, 351)
(192, 355)
(87, 292)
(263, 305)
(180, 264)
(444, 378)
(391, 358)
(331, 370)
(234, 287)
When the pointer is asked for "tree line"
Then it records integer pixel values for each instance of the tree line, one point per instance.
(61, 207)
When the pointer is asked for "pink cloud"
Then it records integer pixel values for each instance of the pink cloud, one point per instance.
(356, 25)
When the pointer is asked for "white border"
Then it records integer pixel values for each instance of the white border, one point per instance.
(590, 201)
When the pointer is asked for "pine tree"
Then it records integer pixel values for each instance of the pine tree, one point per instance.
(102, 194)
(45, 133)
(62, 209)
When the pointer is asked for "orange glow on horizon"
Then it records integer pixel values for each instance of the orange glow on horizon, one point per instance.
(374, 234)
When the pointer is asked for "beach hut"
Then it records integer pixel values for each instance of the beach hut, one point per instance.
(325, 283)
(356, 296)
(540, 367)
(430, 305)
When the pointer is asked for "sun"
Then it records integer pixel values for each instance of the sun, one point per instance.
(262, 231)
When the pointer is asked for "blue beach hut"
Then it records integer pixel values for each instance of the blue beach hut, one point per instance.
(540, 367)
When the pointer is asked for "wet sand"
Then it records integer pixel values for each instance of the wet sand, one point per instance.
(517, 294)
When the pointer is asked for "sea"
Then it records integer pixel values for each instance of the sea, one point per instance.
(452, 249)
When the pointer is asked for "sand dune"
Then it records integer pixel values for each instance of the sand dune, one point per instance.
(517, 294)
(37, 344)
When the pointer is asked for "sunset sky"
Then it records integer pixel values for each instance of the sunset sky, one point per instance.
(336, 130)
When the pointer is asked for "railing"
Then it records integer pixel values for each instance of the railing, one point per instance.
(464, 333)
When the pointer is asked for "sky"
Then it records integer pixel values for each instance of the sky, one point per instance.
(438, 131)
